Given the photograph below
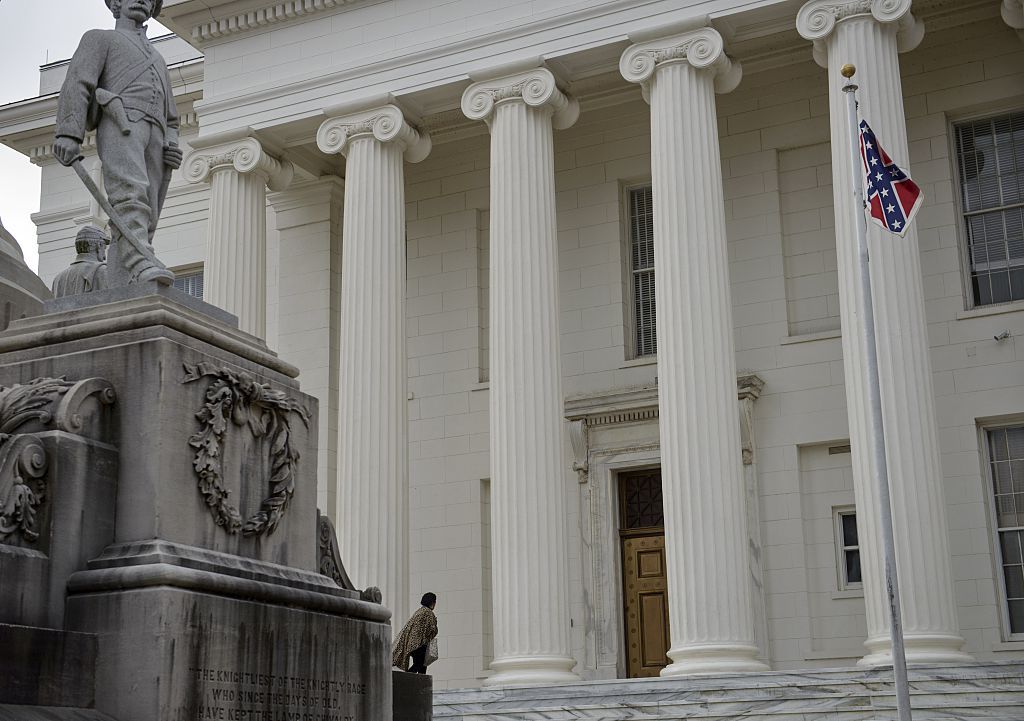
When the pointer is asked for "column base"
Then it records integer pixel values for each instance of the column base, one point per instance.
(533, 671)
(713, 659)
(925, 648)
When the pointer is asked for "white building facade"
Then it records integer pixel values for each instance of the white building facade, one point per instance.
(576, 286)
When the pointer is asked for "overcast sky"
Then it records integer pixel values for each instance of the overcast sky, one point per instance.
(32, 33)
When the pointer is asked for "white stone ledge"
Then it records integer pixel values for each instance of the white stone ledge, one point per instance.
(1008, 646)
(985, 311)
(811, 337)
(650, 360)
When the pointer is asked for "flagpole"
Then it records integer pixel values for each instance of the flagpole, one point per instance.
(879, 464)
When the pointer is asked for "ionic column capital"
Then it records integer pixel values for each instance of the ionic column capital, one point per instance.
(1013, 15)
(817, 20)
(538, 88)
(702, 48)
(386, 124)
(243, 156)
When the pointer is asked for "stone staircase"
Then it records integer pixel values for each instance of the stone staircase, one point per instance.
(963, 692)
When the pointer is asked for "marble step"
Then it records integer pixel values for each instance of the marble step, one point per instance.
(939, 693)
(1011, 712)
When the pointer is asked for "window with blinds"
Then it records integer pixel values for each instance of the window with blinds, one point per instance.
(641, 243)
(990, 156)
(190, 281)
(1006, 470)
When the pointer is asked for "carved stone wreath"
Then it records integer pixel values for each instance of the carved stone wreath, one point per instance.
(236, 396)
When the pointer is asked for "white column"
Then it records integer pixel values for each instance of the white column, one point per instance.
(870, 35)
(701, 464)
(373, 465)
(235, 274)
(1013, 13)
(530, 572)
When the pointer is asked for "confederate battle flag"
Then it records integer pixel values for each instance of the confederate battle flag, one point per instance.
(892, 196)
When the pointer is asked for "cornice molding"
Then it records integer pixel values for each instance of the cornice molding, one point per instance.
(1013, 15)
(817, 20)
(386, 123)
(268, 15)
(703, 48)
(242, 156)
(537, 88)
(43, 154)
(613, 406)
(638, 404)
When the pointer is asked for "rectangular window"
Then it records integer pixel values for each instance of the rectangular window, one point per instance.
(990, 158)
(1006, 470)
(190, 281)
(641, 246)
(847, 548)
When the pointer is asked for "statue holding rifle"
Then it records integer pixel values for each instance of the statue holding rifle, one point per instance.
(118, 85)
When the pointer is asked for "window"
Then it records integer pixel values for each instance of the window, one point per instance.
(1006, 468)
(641, 270)
(640, 502)
(190, 281)
(990, 157)
(847, 548)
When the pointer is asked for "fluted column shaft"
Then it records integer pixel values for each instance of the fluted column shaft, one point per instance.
(373, 466)
(236, 258)
(235, 274)
(701, 466)
(872, 43)
(529, 562)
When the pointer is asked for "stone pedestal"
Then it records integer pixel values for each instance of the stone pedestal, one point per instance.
(195, 561)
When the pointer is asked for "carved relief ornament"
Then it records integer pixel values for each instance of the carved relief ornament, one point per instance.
(537, 88)
(817, 20)
(328, 554)
(237, 398)
(245, 156)
(578, 436)
(25, 411)
(702, 48)
(386, 124)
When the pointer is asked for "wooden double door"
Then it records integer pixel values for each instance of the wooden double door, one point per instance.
(644, 573)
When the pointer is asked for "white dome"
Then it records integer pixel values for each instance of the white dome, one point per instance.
(9, 244)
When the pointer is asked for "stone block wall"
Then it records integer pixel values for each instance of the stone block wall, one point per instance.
(447, 199)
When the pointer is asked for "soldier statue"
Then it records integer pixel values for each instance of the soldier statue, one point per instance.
(118, 84)
(88, 271)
